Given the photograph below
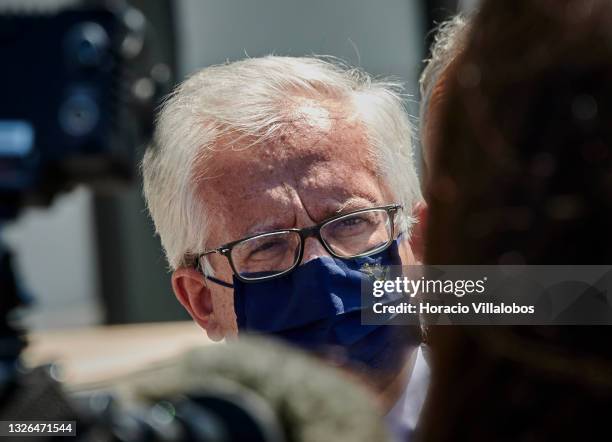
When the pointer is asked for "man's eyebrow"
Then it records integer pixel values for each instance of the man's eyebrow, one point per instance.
(356, 203)
(264, 227)
(353, 203)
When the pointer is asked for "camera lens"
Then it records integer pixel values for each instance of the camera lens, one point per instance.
(87, 44)
(79, 114)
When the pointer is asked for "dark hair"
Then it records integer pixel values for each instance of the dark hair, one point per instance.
(522, 170)
(522, 173)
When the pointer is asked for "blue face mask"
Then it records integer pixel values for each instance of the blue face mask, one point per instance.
(318, 307)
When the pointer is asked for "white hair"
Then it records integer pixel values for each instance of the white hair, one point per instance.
(248, 97)
(449, 42)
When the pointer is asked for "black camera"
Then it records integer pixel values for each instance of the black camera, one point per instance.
(78, 90)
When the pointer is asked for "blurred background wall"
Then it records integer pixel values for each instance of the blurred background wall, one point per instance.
(91, 259)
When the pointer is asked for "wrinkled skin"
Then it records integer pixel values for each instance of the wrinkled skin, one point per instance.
(319, 166)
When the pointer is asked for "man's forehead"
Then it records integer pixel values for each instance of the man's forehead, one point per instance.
(321, 160)
(313, 133)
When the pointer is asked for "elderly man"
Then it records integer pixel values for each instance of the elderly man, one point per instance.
(272, 182)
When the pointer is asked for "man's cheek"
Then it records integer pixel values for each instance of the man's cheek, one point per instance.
(225, 315)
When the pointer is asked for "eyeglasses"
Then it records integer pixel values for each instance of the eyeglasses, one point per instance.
(270, 255)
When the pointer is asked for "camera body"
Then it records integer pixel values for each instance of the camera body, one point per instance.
(78, 93)
(78, 87)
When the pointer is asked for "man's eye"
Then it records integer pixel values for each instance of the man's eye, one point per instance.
(351, 226)
(356, 221)
(267, 249)
(352, 222)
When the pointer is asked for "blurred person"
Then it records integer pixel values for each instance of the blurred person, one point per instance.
(273, 183)
(449, 42)
(521, 173)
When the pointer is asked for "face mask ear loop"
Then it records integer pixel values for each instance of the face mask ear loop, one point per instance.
(220, 282)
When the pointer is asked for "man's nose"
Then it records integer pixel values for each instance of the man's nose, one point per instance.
(313, 249)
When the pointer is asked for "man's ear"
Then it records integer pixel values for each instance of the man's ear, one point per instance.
(191, 291)
(417, 236)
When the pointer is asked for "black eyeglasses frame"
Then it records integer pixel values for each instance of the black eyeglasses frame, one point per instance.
(304, 233)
